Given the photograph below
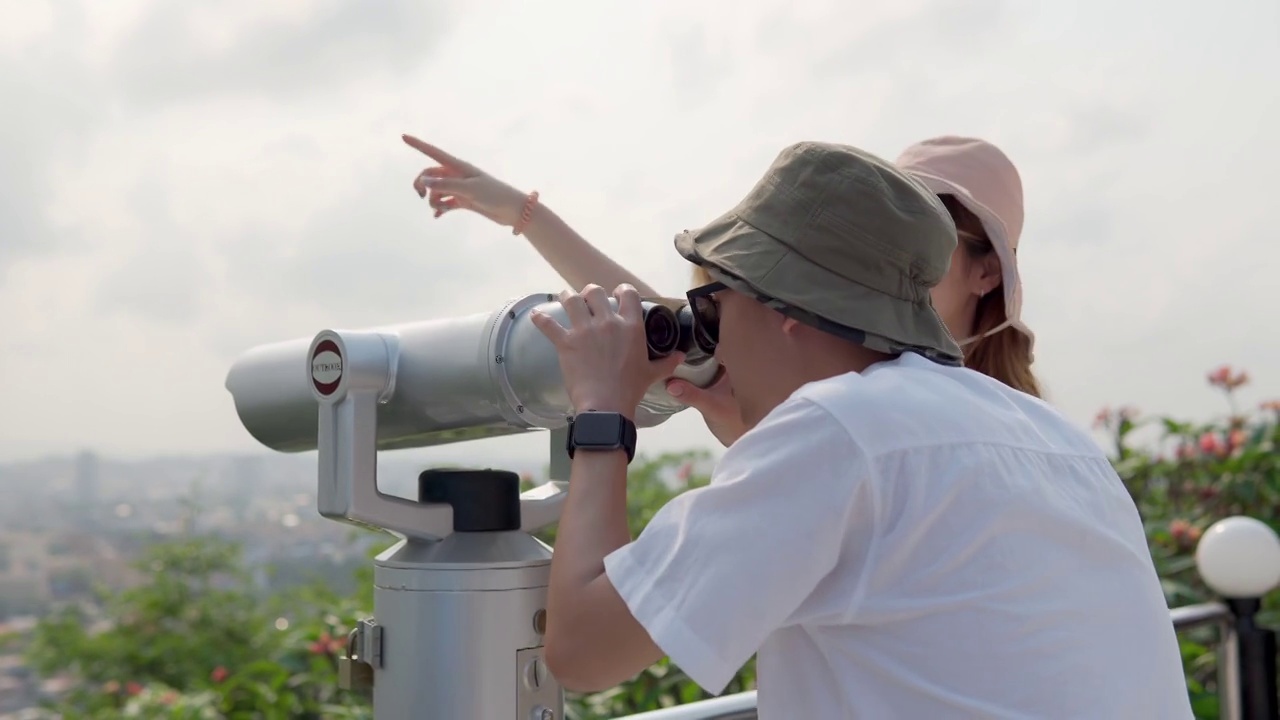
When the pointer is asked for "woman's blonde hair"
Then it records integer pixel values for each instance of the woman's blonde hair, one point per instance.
(1006, 354)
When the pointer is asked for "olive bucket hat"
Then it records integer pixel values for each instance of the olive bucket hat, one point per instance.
(840, 239)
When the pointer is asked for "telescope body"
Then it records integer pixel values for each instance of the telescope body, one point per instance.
(451, 380)
(461, 599)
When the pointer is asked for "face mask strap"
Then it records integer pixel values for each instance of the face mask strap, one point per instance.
(989, 333)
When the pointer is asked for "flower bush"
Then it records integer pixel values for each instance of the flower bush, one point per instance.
(1187, 476)
(195, 641)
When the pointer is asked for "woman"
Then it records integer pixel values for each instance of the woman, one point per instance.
(979, 299)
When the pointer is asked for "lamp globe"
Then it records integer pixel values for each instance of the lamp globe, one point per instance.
(1239, 557)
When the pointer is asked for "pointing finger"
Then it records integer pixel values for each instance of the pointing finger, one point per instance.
(437, 154)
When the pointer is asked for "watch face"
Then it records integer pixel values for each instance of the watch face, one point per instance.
(597, 429)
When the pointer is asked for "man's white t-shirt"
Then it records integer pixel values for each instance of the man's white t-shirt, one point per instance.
(915, 541)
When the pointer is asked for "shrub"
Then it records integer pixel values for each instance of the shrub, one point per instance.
(1185, 477)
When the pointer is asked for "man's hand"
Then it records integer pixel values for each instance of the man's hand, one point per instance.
(717, 404)
(603, 354)
(593, 641)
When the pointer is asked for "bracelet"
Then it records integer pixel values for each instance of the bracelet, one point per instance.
(525, 216)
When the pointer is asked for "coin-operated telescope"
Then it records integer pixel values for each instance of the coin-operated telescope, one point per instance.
(460, 600)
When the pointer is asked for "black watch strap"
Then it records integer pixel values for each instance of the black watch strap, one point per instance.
(601, 431)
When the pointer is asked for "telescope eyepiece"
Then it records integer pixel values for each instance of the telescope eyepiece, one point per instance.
(667, 331)
(661, 331)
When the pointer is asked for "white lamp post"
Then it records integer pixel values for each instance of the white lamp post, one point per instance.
(1239, 559)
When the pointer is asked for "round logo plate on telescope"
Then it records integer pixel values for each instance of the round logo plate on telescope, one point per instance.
(326, 367)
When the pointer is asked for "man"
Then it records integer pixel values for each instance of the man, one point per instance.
(895, 535)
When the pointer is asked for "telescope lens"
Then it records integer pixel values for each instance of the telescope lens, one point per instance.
(705, 318)
(661, 331)
(692, 342)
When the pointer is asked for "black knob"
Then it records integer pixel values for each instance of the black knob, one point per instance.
(482, 500)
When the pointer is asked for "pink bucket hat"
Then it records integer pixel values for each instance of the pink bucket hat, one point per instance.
(986, 182)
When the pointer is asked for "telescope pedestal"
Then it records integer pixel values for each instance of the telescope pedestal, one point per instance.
(459, 621)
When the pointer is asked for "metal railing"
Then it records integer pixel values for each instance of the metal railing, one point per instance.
(740, 706)
(1247, 695)
(1218, 615)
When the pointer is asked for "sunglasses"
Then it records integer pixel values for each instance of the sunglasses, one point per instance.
(706, 315)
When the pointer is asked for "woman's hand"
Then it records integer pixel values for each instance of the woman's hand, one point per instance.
(455, 183)
(716, 403)
(603, 355)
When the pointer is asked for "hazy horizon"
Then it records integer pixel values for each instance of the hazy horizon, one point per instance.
(179, 183)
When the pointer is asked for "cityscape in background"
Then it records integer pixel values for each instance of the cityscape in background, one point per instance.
(71, 525)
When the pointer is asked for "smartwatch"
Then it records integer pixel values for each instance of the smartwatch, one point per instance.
(593, 430)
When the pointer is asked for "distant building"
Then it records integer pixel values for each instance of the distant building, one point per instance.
(245, 486)
(24, 574)
(87, 487)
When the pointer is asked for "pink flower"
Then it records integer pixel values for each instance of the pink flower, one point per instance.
(328, 645)
(132, 688)
(1211, 444)
(1236, 440)
(1108, 418)
(1184, 533)
(1227, 378)
(219, 674)
(685, 472)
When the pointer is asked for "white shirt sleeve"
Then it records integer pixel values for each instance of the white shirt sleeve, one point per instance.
(720, 567)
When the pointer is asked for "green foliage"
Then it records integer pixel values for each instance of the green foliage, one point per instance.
(195, 639)
(161, 620)
(1187, 476)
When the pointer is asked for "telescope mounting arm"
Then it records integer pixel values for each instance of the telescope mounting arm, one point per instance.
(351, 374)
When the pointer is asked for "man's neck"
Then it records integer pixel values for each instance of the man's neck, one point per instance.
(839, 357)
(825, 360)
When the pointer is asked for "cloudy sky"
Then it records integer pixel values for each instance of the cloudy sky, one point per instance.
(179, 181)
